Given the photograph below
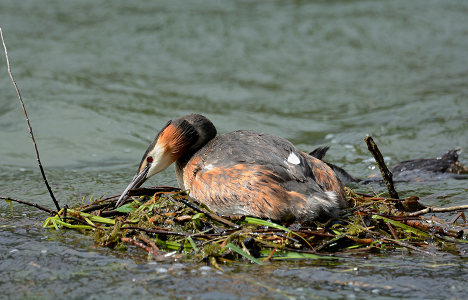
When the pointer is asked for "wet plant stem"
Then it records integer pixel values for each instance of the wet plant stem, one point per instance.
(51, 212)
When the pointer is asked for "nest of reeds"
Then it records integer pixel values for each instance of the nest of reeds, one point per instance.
(165, 222)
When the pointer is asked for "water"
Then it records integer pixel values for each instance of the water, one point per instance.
(101, 78)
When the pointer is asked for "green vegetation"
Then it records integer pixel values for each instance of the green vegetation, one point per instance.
(169, 222)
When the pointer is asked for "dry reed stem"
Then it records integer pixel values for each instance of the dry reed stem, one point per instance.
(437, 209)
(29, 124)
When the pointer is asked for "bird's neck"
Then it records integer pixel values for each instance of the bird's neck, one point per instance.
(181, 163)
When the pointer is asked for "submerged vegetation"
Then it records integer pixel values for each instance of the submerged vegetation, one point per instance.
(165, 222)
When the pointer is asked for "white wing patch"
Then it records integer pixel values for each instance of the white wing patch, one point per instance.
(293, 159)
(209, 167)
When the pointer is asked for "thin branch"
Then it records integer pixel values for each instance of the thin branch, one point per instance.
(96, 207)
(141, 245)
(276, 234)
(147, 240)
(157, 231)
(27, 121)
(30, 204)
(386, 174)
(458, 215)
(392, 231)
(403, 244)
(152, 190)
(206, 212)
(437, 209)
(421, 225)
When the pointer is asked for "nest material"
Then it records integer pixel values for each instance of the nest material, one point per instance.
(165, 222)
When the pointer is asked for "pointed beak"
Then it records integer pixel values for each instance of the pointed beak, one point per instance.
(136, 182)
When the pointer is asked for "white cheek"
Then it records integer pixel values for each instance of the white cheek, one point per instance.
(293, 159)
(161, 161)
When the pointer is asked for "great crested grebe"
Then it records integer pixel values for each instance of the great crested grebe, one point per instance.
(242, 172)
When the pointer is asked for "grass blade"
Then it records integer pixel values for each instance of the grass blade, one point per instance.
(402, 226)
(242, 253)
(255, 221)
(192, 243)
(295, 255)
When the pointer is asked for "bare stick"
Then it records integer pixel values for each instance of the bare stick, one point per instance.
(146, 239)
(386, 174)
(157, 231)
(202, 210)
(403, 244)
(392, 231)
(437, 209)
(30, 204)
(141, 245)
(433, 228)
(29, 125)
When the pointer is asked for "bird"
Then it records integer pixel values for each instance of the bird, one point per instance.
(242, 173)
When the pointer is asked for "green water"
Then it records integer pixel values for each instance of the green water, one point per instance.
(100, 78)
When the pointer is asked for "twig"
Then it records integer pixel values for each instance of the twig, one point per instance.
(433, 228)
(30, 204)
(96, 207)
(110, 213)
(400, 243)
(275, 234)
(458, 215)
(437, 209)
(29, 125)
(386, 174)
(145, 239)
(359, 241)
(392, 231)
(65, 209)
(307, 232)
(270, 255)
(141, 245)
(157, 231)
(206, 212)
(375, 198)
(152, 190)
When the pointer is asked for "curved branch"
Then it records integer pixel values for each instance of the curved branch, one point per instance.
(52, 212)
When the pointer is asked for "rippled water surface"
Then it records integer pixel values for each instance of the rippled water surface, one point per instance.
(100, 78)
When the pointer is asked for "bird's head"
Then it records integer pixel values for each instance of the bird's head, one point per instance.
(181, 136)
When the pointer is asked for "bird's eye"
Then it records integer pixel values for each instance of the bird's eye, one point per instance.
(149, 159)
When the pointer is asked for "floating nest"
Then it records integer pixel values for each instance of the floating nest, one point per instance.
(166, 223)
